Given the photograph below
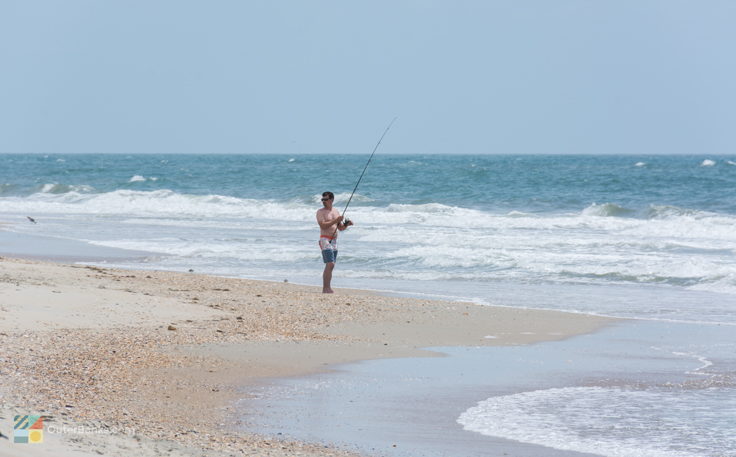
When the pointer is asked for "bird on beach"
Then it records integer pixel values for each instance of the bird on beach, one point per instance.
(31, 219)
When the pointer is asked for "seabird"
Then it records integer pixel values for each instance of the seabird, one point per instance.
(31, 219)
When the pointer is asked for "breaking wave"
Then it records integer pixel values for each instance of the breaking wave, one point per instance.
(56, 188)
(613, 422)
(607, 210)
(610, 243)
(650, 212)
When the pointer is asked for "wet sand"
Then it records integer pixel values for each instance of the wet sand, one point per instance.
(160, 357)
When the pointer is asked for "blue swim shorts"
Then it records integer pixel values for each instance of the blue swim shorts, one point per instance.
(329, 249)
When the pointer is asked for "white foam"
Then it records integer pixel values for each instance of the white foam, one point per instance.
(707, 163)
(216, 250)
(605, 210)
(705, 363)
(664, 211)
(343, 197)
(137, 178)
(56, 188)
(613, 422)
(668, 245)
(640, 164)
(160, 203)
(725, 283)
(518, 214)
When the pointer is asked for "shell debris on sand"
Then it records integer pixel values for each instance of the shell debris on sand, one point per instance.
(109, 366)
(119, 378)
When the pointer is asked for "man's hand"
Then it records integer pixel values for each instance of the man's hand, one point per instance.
(344, 224)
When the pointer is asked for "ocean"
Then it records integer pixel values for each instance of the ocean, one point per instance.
(649, 238)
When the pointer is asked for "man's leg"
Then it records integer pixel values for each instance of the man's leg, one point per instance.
(327, 278)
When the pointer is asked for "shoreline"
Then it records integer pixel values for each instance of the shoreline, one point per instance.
(423, 407)
(142, 349)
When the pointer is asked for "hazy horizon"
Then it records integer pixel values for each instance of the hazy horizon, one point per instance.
(392, 153)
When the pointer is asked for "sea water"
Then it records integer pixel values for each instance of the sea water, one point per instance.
(641, 390)
(625, 391)
(644, 237)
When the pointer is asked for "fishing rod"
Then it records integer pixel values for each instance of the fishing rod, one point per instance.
(366, 167)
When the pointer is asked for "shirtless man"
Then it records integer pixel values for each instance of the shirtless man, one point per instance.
(330, 222)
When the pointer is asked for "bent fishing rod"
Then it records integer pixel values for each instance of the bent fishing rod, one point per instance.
(365, 168)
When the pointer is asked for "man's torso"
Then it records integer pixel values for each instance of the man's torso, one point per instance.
(324, 214)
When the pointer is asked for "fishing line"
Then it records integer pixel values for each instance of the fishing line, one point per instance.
(366, 165)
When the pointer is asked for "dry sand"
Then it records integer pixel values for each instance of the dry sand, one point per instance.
(151, 360)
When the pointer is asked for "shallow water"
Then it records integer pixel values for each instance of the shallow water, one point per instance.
(626, 391)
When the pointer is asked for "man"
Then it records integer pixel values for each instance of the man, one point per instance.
(330, 222)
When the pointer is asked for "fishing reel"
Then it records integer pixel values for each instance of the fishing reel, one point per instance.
(347, 222)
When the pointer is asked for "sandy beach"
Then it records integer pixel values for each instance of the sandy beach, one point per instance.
(150, 362)
(532, 203)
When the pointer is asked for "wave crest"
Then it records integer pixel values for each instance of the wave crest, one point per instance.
(157, 203)
(56, 188)
(343, 198)
(652, 212)
(607, 210)
(668, 211)
(139, 178)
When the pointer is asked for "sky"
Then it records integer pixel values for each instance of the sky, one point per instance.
(290, 77)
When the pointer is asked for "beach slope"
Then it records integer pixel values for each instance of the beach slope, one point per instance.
(151, 362)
